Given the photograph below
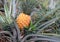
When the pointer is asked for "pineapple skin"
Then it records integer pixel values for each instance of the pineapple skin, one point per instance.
(23, 20)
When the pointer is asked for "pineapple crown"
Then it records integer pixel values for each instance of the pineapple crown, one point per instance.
(28, 6)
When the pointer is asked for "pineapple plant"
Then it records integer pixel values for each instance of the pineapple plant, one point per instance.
(8, 24)
(44, 15)
(45, 27)
(5, 19)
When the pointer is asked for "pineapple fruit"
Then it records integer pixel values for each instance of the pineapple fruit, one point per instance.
(23, 20)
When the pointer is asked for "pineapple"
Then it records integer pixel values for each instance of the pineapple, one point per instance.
(24, 18)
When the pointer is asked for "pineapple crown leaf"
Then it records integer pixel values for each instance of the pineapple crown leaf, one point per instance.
(28, 5)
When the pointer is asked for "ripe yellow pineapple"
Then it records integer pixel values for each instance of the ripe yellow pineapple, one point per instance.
(23, 20)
